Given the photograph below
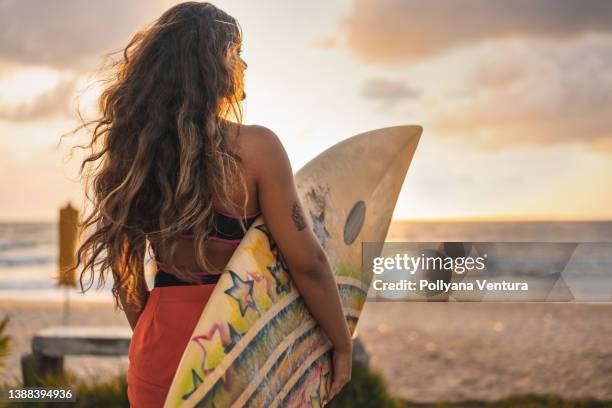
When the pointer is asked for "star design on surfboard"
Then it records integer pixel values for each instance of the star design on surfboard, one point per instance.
(234, 338)
(273, 247)
(242, 292)
(264, 228)
(318, 227)
(212, 345)
(283, 283)
(196, 381)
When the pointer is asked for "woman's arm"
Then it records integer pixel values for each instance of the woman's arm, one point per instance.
(307, 262)
(130, 311)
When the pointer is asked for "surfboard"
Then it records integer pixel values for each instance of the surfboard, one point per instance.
(256, 343)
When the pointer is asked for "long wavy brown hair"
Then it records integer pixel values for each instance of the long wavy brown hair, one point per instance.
(159, 158)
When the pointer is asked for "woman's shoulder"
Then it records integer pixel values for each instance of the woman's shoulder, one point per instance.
(256, 140)
(258, 137)
(261, 147)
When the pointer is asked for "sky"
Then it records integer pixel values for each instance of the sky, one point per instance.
(515, 97)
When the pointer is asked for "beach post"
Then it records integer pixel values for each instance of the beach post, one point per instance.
(68, 240)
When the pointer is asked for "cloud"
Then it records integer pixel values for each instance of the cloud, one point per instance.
(395, 31)
(57, 101)
(69, 33)
(533, 93)
(386, 90)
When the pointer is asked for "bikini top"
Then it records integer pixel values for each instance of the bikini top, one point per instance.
(227, 231)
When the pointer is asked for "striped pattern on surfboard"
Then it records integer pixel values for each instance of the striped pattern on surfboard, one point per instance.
(241, 351)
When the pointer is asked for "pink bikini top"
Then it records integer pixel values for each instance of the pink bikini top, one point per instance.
(227, 231)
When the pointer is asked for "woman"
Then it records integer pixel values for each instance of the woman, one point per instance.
(168, 165)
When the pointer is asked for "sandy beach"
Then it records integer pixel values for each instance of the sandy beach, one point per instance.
(455, 351)
(425, 351)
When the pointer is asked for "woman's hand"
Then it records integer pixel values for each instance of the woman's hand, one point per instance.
(342, 363)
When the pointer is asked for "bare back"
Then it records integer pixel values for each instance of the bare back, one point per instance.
(218, 253)
(272, 192)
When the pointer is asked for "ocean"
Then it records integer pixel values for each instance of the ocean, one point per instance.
(28, 252)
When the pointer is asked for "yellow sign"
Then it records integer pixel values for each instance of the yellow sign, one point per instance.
(68, 240)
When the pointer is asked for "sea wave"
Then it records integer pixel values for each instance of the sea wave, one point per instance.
(10, 245)
(18, 262)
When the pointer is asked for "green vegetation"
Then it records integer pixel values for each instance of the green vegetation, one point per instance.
(523, 401)
(366, 389)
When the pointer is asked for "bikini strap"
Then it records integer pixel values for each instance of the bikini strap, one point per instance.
(246, 216)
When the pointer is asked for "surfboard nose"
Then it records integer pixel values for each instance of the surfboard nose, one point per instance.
(384, 197)
(361, 177)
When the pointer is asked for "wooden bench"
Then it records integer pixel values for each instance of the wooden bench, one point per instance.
(52, 344)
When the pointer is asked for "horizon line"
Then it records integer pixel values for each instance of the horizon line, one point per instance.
(475, 218)
(504, 218)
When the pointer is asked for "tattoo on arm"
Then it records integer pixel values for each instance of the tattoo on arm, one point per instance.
(298, 218)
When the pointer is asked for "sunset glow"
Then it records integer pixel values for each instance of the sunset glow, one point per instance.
(515, 115)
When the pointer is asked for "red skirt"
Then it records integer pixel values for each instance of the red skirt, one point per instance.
(159, 339)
